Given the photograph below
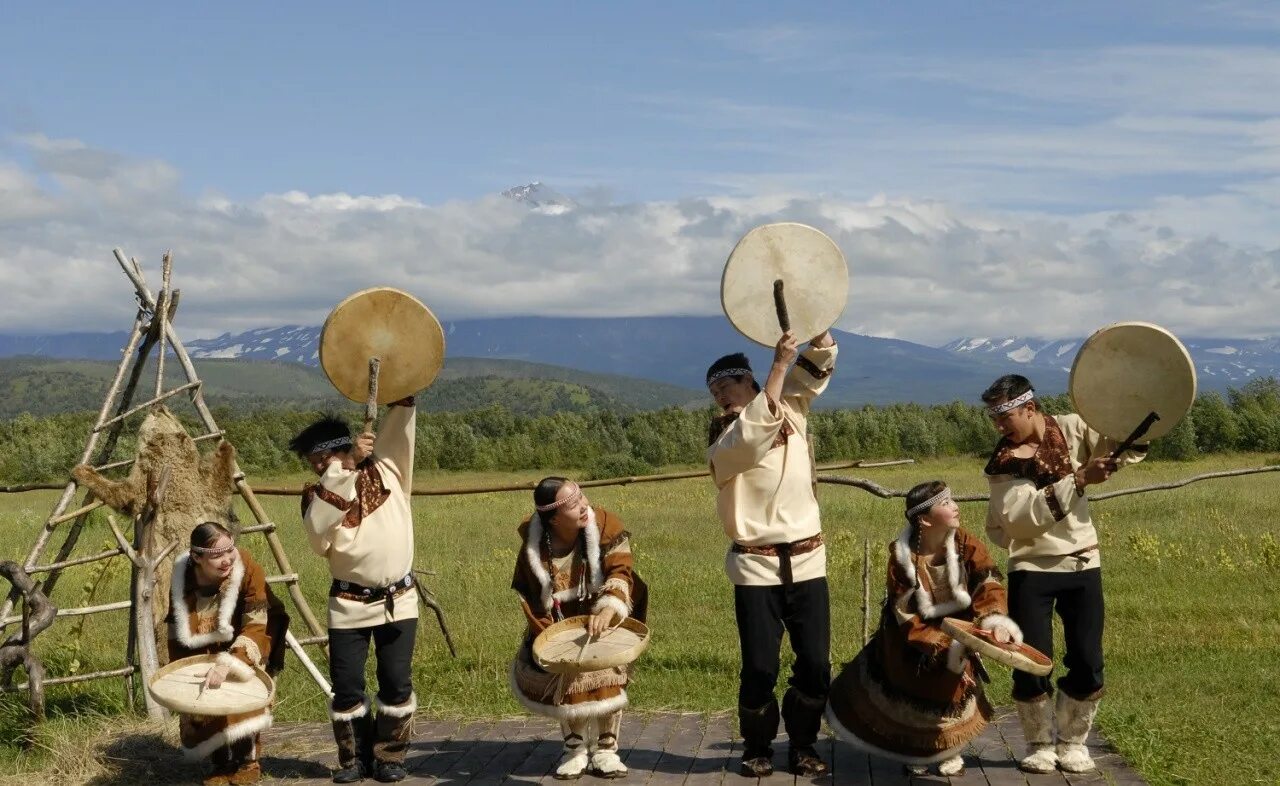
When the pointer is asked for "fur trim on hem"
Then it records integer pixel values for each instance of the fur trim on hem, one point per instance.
(567, 712)
(399, 710)
(843, 733)
(348, 715)
(608, 601)
(232, 733)
(990, 621)
(228, 594)
(960, 598)
(237, 668)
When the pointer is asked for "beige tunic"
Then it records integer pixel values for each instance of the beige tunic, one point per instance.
(1036, 511)
(360, 520)
(765, 477)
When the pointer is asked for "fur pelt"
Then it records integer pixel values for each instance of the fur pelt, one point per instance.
(199, 489)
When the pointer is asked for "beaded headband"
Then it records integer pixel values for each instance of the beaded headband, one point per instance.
(1013, 403)
(330, 444)
(577, 492)
(208, 552)
(940, 497)
(727, 372)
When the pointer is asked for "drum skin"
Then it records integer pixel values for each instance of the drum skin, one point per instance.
(1127, 370)
(388, 324)
(813, 271)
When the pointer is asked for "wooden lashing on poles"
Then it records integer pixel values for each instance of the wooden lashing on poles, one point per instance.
(152, 325)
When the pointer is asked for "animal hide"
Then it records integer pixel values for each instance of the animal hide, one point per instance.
(199, 489)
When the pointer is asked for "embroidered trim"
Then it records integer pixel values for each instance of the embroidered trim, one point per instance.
(371, 492)
(330, 444)
(1050, 463)
(996, 410)
(560, 503)
(727, 372)
(936, 499)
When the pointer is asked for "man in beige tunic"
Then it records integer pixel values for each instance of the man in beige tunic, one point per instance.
(358, 517)
(1039, 510)
(762, 469)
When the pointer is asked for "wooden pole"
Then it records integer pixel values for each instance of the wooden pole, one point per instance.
(69, 488)
(162, 309)
(211, 424)
(371, 403)
(866, 590)
(142, 622)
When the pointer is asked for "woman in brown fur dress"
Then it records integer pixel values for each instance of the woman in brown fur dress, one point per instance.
(220, 604)
(912, 693)
(575, 559)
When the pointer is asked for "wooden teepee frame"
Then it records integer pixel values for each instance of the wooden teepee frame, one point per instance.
(152, 326)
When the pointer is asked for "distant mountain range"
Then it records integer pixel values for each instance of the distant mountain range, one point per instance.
(673, 353)
(45, 386)
(1220, 362)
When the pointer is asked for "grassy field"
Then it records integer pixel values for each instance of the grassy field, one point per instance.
(1192, 641)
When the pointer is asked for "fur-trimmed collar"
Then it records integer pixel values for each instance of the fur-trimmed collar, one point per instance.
(228, 594)
(924, 599)
(533, 555)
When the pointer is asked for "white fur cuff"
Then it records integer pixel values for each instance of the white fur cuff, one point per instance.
(359, 711)
(993, 621)
(607, 601)
(956, 657)
(238, 669)
(400, 710)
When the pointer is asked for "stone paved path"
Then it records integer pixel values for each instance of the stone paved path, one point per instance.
(661, 749)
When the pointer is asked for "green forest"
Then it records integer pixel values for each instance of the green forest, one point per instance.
(604, 442)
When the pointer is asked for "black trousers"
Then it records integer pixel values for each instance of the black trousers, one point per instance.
(393, 648)
(1077, 597)
(803, 610)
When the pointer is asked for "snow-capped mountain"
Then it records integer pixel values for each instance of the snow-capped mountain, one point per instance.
(294, 343)
(1219, 361)
(541, 198)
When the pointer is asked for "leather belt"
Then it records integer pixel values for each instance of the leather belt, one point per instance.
(783, 551)
(349, 590)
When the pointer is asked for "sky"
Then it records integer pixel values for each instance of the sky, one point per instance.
(986, 172)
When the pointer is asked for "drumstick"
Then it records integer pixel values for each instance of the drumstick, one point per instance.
(1142, 428)
(585, 644)
(371, 403)
(780, 305)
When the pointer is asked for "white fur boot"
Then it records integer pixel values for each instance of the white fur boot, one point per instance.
(605, 762)
(576, 757)
(1037, 727)
(952, 767)
(1075, 718)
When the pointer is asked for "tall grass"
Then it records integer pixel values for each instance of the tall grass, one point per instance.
(1192, 638)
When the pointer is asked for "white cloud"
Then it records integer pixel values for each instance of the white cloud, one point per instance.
(922, 270)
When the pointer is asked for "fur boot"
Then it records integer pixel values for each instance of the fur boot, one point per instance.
(1075, 719)
(576, 757)
(605, 762)
(1037, 727)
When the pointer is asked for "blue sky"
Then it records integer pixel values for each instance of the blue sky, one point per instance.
(1102, 115)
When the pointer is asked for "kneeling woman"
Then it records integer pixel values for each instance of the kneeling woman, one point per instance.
(576, 559)
(912, 694)
(220, 604)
